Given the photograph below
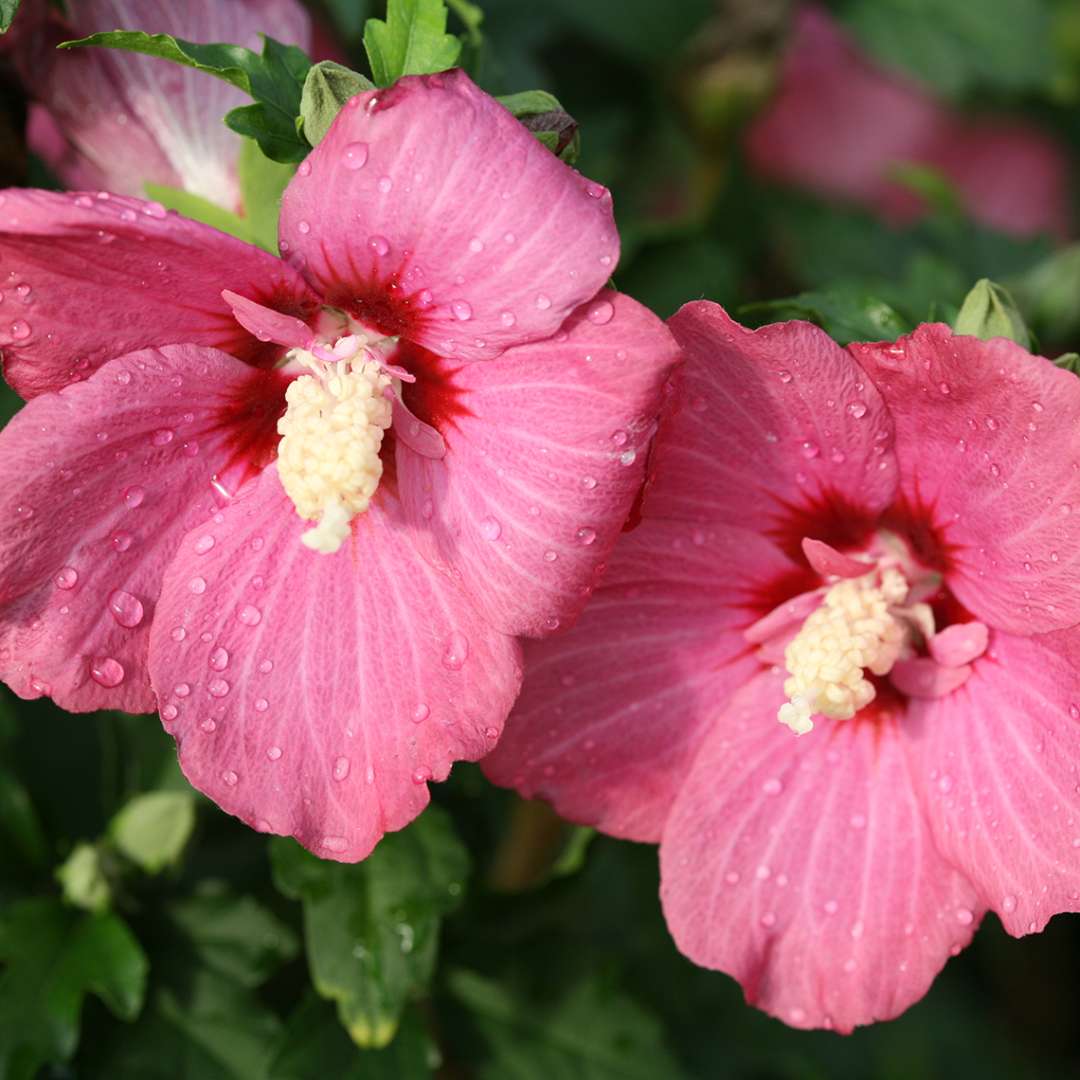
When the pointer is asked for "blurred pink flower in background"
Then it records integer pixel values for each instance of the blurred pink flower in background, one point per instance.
(839, 125)
(899, 526)
(115, 120)
(473, 443)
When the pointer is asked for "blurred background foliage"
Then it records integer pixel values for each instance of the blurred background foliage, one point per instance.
(145, 934)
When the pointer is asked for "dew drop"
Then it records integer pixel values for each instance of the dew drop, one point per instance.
(250, 615)
(508, 318)
(341, 768)
(809, 450)
(550, 556)
(305, 168)
(586, 535)
(772, 786)
(230, 777)
(380, 245)
(601, 313)
(384, 184)
(204, 544)
(178, 633)
(476, 245)
(588, 482)
(133, 497)
(420, 713)
(163, 436)
(218, 688)
(421, 775)
(964, 916)
(197, 585)
(219, 659)
(856, 409)
(107, 672)
(1008, 903)
(126, 609)
(785, 376)
(20, 329)
(456, 651)
(354, 157)
(67, 578)
(461, 310)
(334, 843)
(208, 726)
(182, 690)
(274, 753)
(304, 227)
(543, 301)
(490, 529)
(169, 713)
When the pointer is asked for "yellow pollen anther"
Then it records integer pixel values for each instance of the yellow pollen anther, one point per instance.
(332, 431)
(853, 630)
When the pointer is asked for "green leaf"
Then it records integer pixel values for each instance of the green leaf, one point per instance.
(589, 1031)
(274, 78)
(83, 879)
(313, 1046)
(1047, 294)
(372, 928)
(845, 313)
(412, 41)
(958, 46)
(541, 113)
(326, 89)
(54, 956)
(989, 311)
(262, 183)
(1069, 361)
(20, 826)
(199, 209)
(8, 8)
(234, 935)
(152, 829)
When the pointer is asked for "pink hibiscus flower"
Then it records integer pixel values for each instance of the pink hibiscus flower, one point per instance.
(116, 120)
(839, 125)
(881, 544)
(176, 464)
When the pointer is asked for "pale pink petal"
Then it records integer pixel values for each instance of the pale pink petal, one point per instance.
(266, 323)
(46, 138)
(137, 118)
(829, 562)
(838, 124)
(777, 424)
(924, 677)
(428, 212)
(988, 440)
(546, 451)
(91, 277)
(612, 712)
(805, 869)
(998, 760)
(314, 695)
(960, 643)
(98, 483)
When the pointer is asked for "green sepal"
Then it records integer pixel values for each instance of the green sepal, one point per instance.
(326, 89)
(989, 311)
(541, 113)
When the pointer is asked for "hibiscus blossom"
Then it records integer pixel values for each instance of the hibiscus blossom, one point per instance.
(840, 125)
(290, 502)
(118, 120)
(880, 547)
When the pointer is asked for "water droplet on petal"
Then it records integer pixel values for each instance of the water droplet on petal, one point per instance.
(126, 609)
(490, 529)
(250, 615)
(543, 301)
(586, 535)
(601, 313)
(476, 245)
(107, 672)
(208, 726)
(456, 651)
(588, 482)
(20, 330)
(162, 437)
(204, 544)
(856, 409)
(334, 843)
(218, 688)
(219, 659)
(230, 777)
(809, 450)
(178, 633)
(274, 753)
(67, 578)
(1008, 903)
(305, 168)
(385, 184)
(133, 496)
(420, 713)
(785, 376)
(380, 245)
(304, 227)
(197, 585)
(354, 157)
(341, 768)
(169, 713)
(461, 310)
(964, 916)
(772, 786)
(121, 540)
(421, 775)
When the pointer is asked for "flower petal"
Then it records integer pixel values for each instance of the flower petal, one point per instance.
(429, 213)
(998, 759)
(139, 119)
(93, 277)
(314, 695)
(773, 418)
(612, 713)
(804, 867)
(546, 452)
(98, 484)
(988, 438)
